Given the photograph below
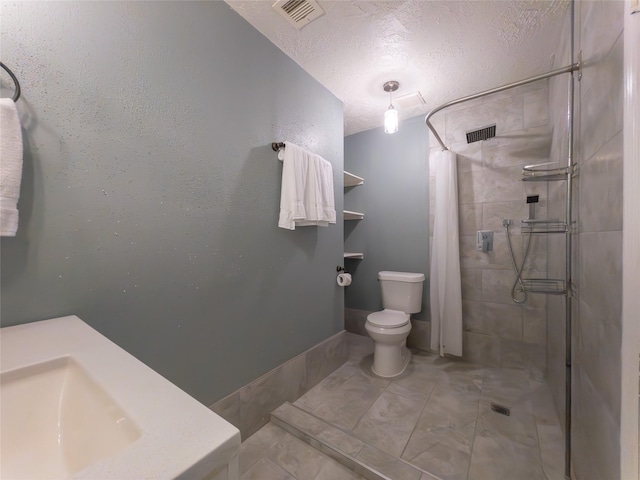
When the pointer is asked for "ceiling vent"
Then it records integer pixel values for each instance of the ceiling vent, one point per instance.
(410, 100)
(298, 12)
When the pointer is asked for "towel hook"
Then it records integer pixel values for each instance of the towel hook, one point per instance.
(16, 95)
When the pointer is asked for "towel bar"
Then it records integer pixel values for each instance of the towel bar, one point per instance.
(16, 95)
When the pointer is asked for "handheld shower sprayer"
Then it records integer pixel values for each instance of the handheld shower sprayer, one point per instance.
(506, 222)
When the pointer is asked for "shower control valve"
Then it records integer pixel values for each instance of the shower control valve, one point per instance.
(484, 241)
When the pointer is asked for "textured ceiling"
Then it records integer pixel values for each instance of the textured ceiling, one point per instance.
(443, 49)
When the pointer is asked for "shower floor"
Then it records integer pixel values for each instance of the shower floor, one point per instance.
(436, 417)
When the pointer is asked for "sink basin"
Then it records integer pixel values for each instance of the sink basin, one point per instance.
(55, 412)
(76, 406)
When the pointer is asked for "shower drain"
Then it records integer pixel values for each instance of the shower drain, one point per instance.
(502, 410)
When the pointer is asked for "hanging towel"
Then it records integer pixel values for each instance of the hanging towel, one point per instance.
(307, 196)
(445, 288)
(295, 166)
(326, 204)
(10, 167)
(319, 200)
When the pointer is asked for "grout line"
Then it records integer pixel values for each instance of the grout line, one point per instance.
(419, 417)
(475, 430)
(344, 459)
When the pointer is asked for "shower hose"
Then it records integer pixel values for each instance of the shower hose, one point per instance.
(514, 289)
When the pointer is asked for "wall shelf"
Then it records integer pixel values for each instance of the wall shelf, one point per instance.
(349, 215)
(549, 286)
(543, 226)
(351, 180)
(546, 172)
(539, 173)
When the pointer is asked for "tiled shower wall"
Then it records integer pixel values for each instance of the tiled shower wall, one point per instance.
(597, 244)
(497, 331)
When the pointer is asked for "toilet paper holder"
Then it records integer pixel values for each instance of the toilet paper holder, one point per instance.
(340, 269)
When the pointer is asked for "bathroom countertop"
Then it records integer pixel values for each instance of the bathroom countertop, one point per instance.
(179, 437)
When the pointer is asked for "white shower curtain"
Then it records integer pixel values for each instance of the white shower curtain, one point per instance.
(445, 289)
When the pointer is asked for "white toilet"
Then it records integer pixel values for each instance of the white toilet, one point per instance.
(389, 329)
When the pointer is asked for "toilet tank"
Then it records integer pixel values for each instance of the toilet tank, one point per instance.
(401, 291)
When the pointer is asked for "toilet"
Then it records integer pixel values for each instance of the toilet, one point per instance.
(389, 329)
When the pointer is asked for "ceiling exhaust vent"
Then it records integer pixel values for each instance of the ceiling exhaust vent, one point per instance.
(298, 12)
(410, 100)
(483, 133)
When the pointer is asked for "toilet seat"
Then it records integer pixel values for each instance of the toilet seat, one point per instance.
(388, 319)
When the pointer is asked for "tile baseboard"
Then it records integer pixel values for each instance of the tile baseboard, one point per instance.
(249, 407)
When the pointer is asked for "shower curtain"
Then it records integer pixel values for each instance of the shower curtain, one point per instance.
(445, 289)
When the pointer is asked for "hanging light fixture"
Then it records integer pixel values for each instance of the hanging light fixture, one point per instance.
(391, 115)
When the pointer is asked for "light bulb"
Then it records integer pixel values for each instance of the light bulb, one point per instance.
(391, 120)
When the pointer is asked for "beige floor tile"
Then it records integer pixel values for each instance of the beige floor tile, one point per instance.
(389, 422)
(257, 445)
(445, 462)
(435, 418)
(263, 469)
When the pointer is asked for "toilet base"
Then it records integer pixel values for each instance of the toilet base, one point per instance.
(390, 360)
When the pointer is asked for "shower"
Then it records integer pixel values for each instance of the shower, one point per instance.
(524, 288)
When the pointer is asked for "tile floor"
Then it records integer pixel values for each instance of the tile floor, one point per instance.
(436, 416)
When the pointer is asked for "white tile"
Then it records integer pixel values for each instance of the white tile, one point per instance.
(470, 218)
(600, 201)
(601, 100)
(536, 108)
(520, 148)
(534, 325)
(552, 451)
(596, 432)
(506, 113)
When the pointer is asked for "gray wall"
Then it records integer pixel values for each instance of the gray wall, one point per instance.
(394, 234)
(597, 252)
(150, 193)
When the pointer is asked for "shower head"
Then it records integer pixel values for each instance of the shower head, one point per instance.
(482, 133)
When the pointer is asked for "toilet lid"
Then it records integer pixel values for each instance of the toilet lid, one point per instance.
(388, 318)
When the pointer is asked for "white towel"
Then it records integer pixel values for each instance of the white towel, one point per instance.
(307, 196)
(319, 199)
(294, 179)
(10, 167)
(326, 201)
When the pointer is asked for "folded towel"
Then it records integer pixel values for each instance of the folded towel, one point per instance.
(10, 166)
(307, 196)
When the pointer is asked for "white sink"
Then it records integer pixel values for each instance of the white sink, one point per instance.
(55, 412)
(75, 405)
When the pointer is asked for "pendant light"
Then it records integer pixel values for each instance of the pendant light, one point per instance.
(391, 115)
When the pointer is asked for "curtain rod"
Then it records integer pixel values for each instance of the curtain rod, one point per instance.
(569, 68)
